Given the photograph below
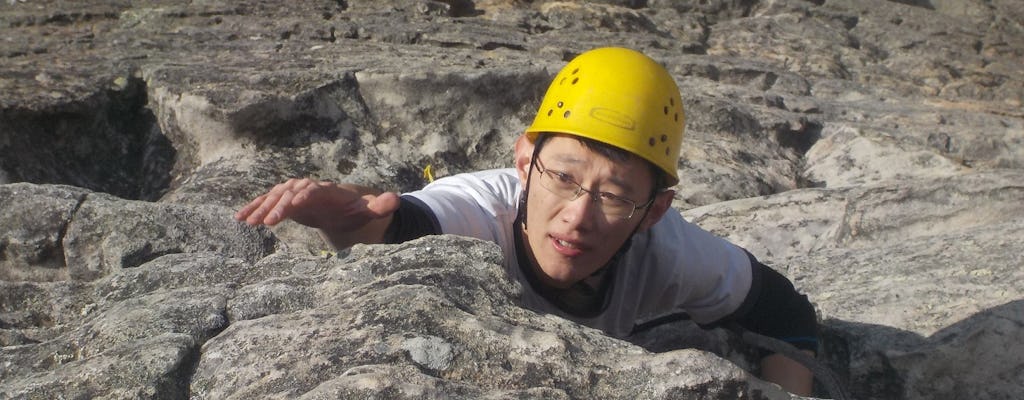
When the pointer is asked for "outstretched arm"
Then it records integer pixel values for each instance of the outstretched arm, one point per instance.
(786, 372)
(345, 214)
(775, 309)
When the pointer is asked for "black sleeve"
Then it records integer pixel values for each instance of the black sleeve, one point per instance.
(774, 308)
(412, 220)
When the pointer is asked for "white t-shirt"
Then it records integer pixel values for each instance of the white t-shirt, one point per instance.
(674, 267)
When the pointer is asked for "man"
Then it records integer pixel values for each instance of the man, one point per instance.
(583, 217)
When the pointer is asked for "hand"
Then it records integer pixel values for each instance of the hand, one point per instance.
(333, 208)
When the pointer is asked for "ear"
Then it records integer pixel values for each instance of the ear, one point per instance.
(662, 203)
(523, 153)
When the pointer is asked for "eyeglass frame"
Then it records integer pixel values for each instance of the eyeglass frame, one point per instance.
(596, 197)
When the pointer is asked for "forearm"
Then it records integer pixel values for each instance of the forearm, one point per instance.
(779, 312)
(791, 375)
(371, 233)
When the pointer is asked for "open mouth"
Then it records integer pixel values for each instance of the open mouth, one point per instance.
(566, 248)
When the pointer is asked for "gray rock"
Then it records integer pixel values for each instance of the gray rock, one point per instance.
(155, 367)
(110, 234)
(899, 275)
(988, 337)
(458, 323)
(870, 150)
(35, 220)
(107, 140)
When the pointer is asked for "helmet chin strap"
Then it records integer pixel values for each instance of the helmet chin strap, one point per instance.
(529, 176)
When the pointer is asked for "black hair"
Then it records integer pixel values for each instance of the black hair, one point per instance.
(612, 153)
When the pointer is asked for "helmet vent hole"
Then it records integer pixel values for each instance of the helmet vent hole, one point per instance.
(651, 142)
(666, 151)
(664, 138)
(666, 110)
(550, 110)
(566, 115)
(562, 81)
(676, 116)
(574, 80)
(575, 71)
(560, 104)
(671, 101)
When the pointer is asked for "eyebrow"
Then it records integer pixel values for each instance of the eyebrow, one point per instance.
(571, 160)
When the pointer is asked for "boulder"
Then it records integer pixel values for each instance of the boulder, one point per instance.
(870, 150)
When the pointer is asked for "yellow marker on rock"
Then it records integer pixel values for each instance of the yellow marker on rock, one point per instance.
(428, 174)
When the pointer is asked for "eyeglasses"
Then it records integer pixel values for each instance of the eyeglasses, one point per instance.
(561, 184)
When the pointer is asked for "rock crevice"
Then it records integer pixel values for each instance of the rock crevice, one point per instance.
(870, 150)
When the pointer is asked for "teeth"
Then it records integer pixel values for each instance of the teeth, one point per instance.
(566, 244)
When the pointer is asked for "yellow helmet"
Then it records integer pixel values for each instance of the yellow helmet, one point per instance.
(619, 97)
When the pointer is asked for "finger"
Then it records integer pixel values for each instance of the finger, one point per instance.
(297, 185)
(257, 210)
(244, 212)
(304, 195)
(326, 196)
(258, 215)
(281, 210)
(307, 189)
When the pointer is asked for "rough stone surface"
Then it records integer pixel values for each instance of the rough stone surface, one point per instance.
(871, 150)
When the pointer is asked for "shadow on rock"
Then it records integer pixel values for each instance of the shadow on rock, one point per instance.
(882, 362)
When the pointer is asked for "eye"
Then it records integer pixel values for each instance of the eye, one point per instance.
(611, 197)
(563, 177)
(615, 200)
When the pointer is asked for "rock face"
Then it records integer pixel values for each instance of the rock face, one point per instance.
(872, 151)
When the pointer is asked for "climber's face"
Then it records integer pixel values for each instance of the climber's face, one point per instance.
(582, 207)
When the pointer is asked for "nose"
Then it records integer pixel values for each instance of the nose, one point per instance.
(581, 212)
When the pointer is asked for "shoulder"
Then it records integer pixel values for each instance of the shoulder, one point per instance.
(497, 183)
(479, 204)
(683, 266)
(676, 235)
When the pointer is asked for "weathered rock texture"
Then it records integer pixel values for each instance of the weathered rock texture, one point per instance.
(871, 150)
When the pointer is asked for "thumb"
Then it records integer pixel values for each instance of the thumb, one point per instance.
(382, 205)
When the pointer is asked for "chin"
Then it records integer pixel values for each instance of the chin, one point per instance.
(559, 278)
(563, 279)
